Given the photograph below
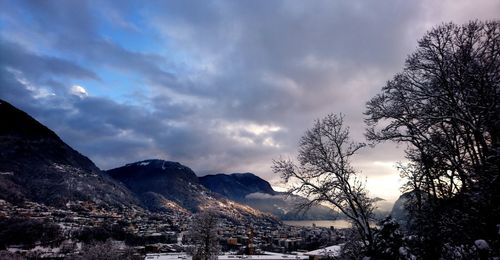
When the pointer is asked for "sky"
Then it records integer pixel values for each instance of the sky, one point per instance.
(220, 86)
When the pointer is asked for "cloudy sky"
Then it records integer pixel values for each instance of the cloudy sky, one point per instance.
(220, 86)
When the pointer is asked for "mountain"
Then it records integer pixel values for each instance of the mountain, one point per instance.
(400, 209)
(36, 165)
(161, 185)
(382, 207)
(159, 180)
(236, 186)
(252, 190)
(285, 207)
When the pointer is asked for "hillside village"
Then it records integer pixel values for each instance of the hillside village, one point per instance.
(157, 233)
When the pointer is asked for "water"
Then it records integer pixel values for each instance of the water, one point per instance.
(340, 223)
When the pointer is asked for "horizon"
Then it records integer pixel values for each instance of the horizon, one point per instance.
(220, 87)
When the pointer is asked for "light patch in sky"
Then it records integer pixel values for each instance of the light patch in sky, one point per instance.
(250, 133)
(271, 143)
(261, 129)
(37, 92)
(386, 187)
(253, 128)
(385, 164)
(79, 91)
(382, 178)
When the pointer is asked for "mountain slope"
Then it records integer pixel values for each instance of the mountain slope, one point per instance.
(236, 186)
(400, 211)
(36, 165)
(160, 184)
(254, 191)
(165, 180)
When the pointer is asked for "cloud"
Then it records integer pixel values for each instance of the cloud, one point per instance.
(78, 91)
(221, 86)
(262, 196)
(36, 66)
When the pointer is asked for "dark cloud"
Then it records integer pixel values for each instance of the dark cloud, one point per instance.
(279, 57)
(35, 66)
(222, 86)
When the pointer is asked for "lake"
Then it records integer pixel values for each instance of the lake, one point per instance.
(339, 223)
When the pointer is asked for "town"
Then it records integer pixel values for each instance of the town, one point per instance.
(68, 232)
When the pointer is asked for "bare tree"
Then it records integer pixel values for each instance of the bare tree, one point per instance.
(104, 251)
(204, 235)
(445, 106)
(324, 174)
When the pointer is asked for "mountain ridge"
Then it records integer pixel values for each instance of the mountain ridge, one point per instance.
(167, 180)
(250, 189)
(36, 165)
(159, 184)
(236, 185)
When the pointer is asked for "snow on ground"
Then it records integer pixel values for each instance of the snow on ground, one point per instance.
(481, 244)
(267, 256)
(327, 251)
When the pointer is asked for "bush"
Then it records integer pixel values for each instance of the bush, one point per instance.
(105, 251)
(28, 232)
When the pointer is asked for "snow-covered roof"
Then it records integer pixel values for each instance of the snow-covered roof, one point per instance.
(266, 257)
(327, 251)
(166, 256)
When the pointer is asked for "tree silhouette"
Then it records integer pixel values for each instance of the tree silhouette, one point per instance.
(444, 105)
(204, 235)
(324, 174)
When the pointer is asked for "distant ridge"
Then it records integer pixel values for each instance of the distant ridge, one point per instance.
(256, 192)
